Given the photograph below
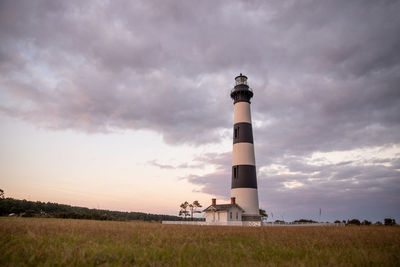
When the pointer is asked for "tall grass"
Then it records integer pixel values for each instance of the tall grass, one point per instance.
(34, 241)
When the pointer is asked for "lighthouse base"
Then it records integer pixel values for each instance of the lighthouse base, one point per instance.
(253, 218)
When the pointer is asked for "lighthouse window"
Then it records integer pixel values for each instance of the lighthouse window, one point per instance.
(241, 80)
(236, 134)
(235, 172)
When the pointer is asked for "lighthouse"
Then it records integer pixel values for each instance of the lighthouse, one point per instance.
(244, 179)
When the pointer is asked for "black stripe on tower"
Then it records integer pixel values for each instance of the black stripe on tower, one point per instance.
(244, 176)
(242, 133)
(241, 93)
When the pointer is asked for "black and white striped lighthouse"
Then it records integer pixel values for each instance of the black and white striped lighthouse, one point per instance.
(244, 179)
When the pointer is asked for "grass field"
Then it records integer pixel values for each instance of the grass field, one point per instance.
(33, 241)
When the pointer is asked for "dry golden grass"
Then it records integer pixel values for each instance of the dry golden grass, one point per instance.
(65, 242)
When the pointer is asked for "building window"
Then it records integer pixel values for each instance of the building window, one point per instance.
(218, 216)
(230, 215)
(237, 216)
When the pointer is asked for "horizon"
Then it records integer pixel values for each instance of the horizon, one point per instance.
(125, 106)
(201, 216)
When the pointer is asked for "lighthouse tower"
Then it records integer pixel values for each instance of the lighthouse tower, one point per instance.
(244, 179)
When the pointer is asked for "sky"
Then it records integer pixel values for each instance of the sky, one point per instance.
(125, 105)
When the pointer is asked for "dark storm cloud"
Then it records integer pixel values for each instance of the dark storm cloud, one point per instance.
(325, 74)
(167, 66)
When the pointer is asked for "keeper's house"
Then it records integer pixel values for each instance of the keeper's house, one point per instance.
(223, 212)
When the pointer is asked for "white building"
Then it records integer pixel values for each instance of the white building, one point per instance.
(223, 212)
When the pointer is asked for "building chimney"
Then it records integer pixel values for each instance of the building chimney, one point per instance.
(233, 200)
(213, 201)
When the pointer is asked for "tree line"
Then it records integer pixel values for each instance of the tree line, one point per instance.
(386, 221)
(25, 208)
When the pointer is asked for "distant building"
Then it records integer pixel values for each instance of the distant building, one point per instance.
(223, 212)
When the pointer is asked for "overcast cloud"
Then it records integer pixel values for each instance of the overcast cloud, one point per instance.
(326, 77)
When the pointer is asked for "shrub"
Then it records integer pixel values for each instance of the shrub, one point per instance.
(304, 221)
(390, 222)
(366, 222)
(354, 221)
(28, 213)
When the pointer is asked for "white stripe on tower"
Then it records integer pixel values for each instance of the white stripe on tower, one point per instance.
(241, 112)
(243, 154)
(244, 180)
